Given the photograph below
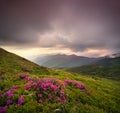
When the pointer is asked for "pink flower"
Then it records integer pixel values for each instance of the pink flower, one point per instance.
(15, 87)
(58, 98)
(9, 102)
(40, 95)
(21, 100)
(44, 89)
(50, 96)
(27, 79)
(40, 100)
(34, 84)
(63, 101)
(9, 93)
(3, 109)
(47, 100)
(27, 86)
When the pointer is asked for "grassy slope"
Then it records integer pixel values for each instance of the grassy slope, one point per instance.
(107, 68)
(111, 72)
(105, 94)
(12, 64)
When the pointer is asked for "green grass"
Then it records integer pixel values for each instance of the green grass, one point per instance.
(12, 64)
(104, 98)
(110, 72)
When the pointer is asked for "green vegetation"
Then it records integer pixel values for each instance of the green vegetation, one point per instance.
(110, 72)
(103, 95)
(11, 64)
(106, 68)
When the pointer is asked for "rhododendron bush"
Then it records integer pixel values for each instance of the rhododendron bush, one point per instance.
(7, 99)
(45, 90)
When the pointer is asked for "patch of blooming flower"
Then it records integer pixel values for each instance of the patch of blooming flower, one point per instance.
(20, 101)
(23, 75)
(6, 99)
(15, 87)
(47, 90)
(76, 84)
(3, 109)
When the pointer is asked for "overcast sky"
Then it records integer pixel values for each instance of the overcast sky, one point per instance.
(82, 27)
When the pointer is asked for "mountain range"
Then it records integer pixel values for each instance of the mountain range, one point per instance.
(106, 67)
(70, 61)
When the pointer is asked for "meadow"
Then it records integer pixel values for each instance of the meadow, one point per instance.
(26, 87)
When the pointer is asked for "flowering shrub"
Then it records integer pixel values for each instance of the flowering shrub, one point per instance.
(6, 99)
(9, 93)
(15, 87)
(9, 102)
(47, 90)
(74, 83)
(3, 109)
(20, 101)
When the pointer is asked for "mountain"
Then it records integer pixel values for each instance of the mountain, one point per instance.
(106, 67)
(26, 87)
(69, 61)
(64, 61)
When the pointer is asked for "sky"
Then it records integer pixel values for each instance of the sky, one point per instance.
(39, 27)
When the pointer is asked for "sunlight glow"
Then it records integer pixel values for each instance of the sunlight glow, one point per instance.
(32, 53)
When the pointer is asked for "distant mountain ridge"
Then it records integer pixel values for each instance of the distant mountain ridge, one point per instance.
(107, 66)
(64, 61)
(69, 61)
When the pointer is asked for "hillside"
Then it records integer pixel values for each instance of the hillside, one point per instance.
(64, 61)
(11, 63)
(26, 87)
(106, 68)
(107, 61)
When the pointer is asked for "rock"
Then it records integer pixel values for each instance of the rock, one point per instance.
(58, 111)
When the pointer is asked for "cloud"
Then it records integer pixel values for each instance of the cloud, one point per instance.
(65, 24)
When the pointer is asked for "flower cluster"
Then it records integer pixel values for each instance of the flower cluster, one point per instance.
(23, 75)
(20, 101)
(3, 109)
(6, 99)
(15, 87)
(44, 89)
(74, 83)
(47, 89)
(77, 84)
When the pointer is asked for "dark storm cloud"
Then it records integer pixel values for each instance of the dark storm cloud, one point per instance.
(20, 18)
(74, 24)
